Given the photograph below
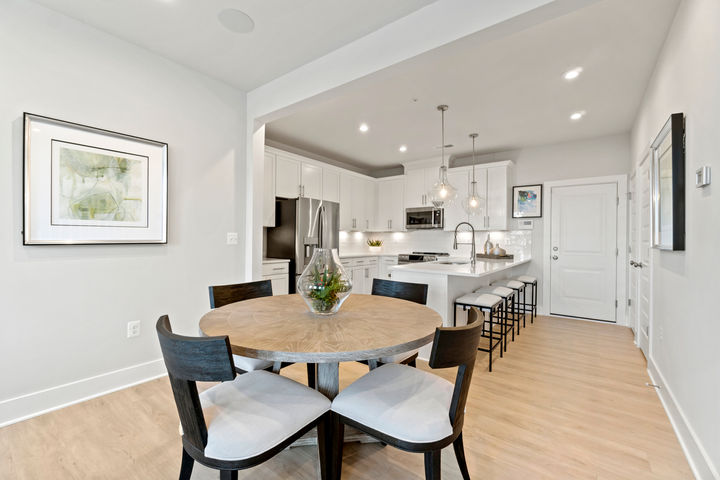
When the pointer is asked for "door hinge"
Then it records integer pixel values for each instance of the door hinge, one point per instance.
(629, 302)
(616, 304)
(617, 252)
(629, 195)
(617, 200)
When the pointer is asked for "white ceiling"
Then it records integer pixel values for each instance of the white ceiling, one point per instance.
(287, 34)
(509, 90)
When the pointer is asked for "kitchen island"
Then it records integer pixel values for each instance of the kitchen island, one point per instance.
(452, 277)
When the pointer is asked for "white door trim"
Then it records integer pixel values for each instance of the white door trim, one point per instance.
(622, 237)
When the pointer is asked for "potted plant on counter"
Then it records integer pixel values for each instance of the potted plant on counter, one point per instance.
(375, 245)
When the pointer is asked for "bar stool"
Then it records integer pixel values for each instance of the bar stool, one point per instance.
(508, 308)
(519, 288)
(530, 282)
(480, 303)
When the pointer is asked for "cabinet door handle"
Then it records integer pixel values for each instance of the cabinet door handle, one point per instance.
(278, 268)
(367, 224)
(367, 273)
(354, 223)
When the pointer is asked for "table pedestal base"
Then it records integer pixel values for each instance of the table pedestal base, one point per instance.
(351, 435)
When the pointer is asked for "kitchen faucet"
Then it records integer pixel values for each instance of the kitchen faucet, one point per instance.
(456, 243)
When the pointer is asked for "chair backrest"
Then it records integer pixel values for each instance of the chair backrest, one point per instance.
(188, 360)
(221, 295)
(414, 292)
(457, 347)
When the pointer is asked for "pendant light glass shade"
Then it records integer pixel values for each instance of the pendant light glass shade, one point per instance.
(474, 204)
(442, 193)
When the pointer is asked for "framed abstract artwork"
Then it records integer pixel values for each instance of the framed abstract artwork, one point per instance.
(527, 201)
(84, 185)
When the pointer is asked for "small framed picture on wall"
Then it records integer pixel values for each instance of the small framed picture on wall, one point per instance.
(527, 201)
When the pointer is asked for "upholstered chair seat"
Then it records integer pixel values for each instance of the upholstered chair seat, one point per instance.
(404, 402)
(251, 415)
(482, 300)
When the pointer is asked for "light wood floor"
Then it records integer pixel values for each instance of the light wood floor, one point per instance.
(568, 401)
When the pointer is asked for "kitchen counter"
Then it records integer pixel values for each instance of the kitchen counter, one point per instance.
(462, 268)
(447, 281)
(368, 254)
(268, 261)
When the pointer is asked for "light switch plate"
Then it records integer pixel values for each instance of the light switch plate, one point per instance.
(524, 224)
(232, 238)
(702, 177)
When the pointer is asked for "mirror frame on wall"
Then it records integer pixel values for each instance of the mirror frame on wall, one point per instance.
(675, 128)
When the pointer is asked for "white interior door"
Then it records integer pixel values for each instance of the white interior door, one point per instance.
(642, 258)
(583, 272)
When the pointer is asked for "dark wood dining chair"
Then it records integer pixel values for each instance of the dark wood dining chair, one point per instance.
(408, 408)
(221, 295)
(413, 292)
(243, 421)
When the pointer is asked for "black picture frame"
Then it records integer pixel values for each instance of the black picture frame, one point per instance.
(668, 224)
(536, 212)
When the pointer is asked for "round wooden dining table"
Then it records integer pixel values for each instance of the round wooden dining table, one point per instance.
(282, 329)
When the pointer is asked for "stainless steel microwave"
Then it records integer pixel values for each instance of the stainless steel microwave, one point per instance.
(424, 217)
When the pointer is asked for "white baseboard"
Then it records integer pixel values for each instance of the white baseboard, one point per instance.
(697, 456)
(26, 406)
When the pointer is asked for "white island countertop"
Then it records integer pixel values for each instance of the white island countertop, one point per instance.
(456, 266)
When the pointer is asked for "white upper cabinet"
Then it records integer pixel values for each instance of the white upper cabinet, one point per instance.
(346, 202)
(269, 191)
(287, 176)
(390, 212)
(369, 202)
(331, 185)
(311, 181)
(498, 197)
(296, 178)
(358, 197)
(416, 188)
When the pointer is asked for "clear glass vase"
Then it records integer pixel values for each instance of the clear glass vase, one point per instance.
(324, 284)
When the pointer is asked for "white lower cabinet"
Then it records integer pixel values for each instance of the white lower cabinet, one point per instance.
(362, 270)
(384, 267)
(278, 274)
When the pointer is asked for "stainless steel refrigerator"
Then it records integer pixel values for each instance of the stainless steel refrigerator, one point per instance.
(299, 230)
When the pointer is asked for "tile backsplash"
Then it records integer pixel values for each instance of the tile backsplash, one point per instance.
(514, 241)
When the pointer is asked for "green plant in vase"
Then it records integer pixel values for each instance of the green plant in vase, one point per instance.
(375, 245)
(325, 289)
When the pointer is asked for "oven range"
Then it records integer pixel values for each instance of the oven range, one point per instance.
(417, 257)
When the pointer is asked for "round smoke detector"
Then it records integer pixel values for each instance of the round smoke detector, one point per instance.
(236, 21)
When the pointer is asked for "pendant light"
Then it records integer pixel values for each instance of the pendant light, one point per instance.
(473, 204)
(442, 193)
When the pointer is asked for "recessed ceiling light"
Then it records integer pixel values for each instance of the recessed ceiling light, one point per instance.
(577, 115)
(236, 21)
(403, 148)
(573, 74)
(364, 127)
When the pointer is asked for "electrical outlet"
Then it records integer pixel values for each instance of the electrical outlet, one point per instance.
(232, 238)
(133, 329)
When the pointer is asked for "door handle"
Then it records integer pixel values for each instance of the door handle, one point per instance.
(633, 264)
(554, 257)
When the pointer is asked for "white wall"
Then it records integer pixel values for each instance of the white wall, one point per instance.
(686, 361)
(595, 157)
(65, 308)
